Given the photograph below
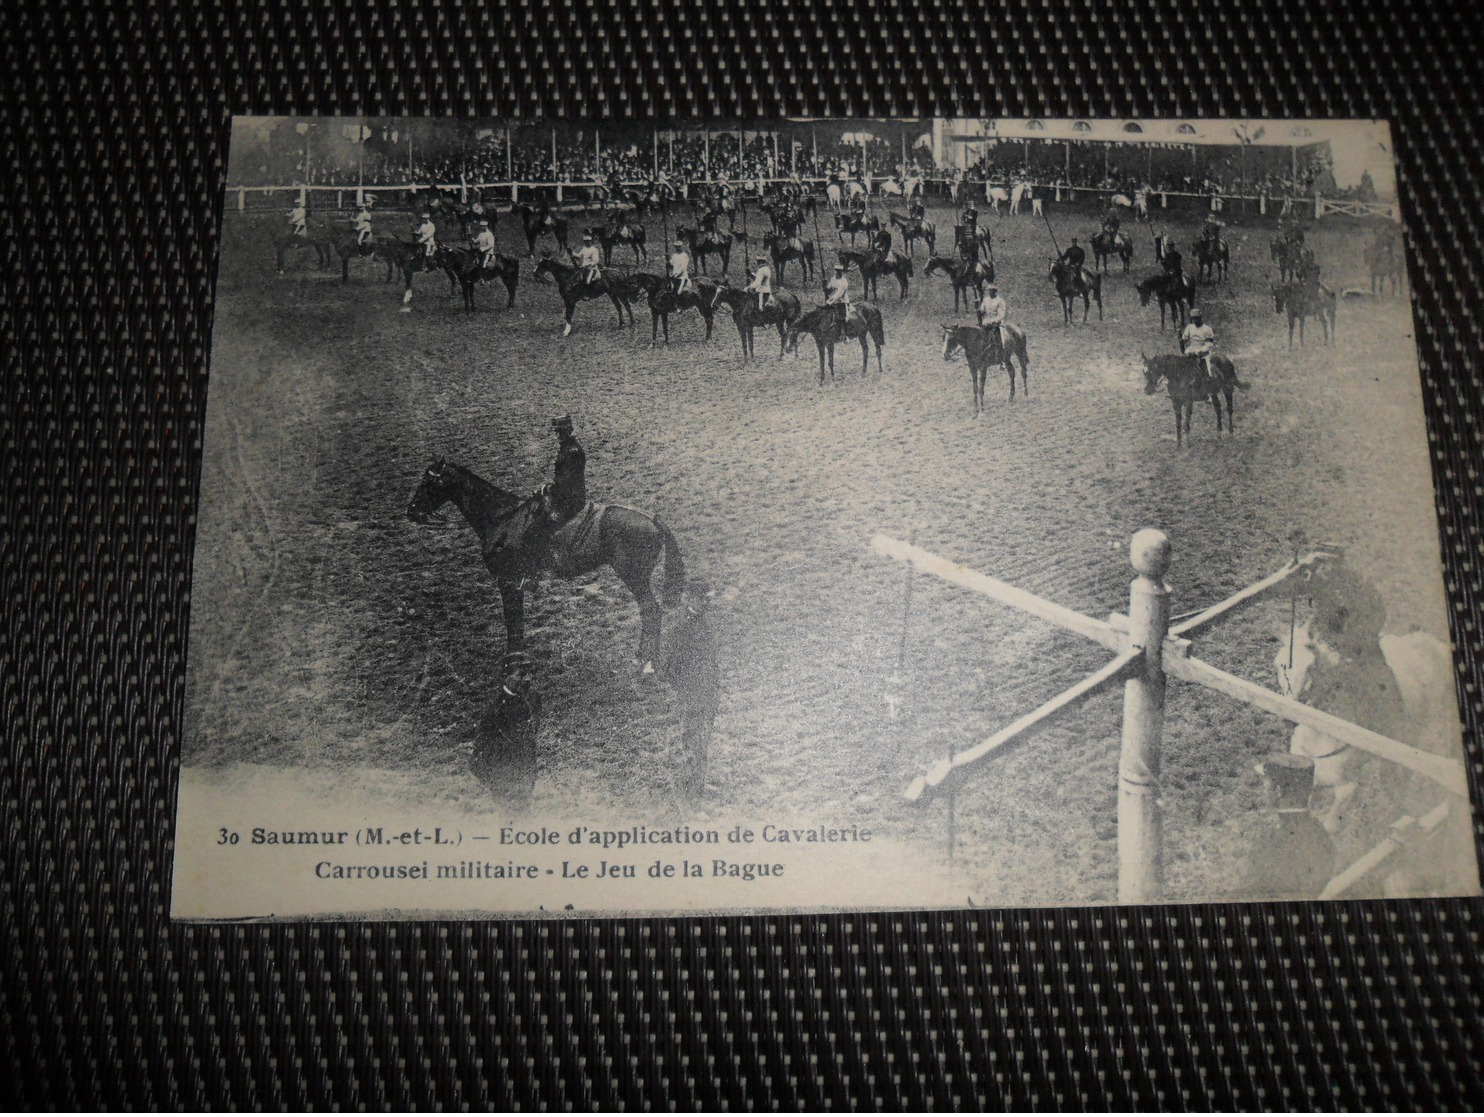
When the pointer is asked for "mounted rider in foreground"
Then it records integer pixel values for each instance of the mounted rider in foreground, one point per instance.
(837, 294)
(762, 283)
(590, 257)
(484, 244)
(994, 313)
(680, 268)
(567, 493)
(427, 234)
(1075, 258)
(1198, 340)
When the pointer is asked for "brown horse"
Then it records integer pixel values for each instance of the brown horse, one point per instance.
(873, 265)
(823, 324)
(780, 312)
(621, 289)
(1108, 244)
(1188, 383)
(963, 274)
(981, 352)
(1300, 301)
(516, 540)
(467, 267)
(1174, 294)
(1074, 283)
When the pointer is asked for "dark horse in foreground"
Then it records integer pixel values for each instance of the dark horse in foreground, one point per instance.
(1188, 384)
(516, 540)
(823, 324)
(981, 353)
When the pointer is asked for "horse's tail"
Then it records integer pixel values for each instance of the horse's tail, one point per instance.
(674, 566)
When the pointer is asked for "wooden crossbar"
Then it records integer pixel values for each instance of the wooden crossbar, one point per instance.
(1113, 672)
(1449, 774)
(1401, 830)
(929, 563)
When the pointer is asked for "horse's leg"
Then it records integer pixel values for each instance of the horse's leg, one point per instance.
(865, 356)
(513, 602)
(571, 309)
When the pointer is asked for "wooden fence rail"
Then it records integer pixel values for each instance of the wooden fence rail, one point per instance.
(1148, 649)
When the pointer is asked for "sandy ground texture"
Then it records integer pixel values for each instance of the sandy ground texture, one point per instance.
(336, 646)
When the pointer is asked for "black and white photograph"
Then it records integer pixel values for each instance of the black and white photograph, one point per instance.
(630, 517)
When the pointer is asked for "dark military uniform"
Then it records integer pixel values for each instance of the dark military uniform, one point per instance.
(1295, 857)
(505, 745)
(693, 670)
(568, 492)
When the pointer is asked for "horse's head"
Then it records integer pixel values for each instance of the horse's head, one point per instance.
(1280, 297)
(1153, 373)
(1145, 289)
(933, 264)
(433, 492)
(546, 266)
(951, 342)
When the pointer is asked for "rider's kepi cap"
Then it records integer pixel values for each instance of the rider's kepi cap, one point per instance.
(1195, 312)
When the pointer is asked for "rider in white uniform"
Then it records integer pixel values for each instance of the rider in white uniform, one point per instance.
(362, 227)
(837, 293)
(680, 268)
(427, 234)
(994, 312)
(590, 257)
(762, 283)
(484, 242)
(298, 219)
(1198, 340)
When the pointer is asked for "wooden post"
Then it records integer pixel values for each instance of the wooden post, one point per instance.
(1140, 826)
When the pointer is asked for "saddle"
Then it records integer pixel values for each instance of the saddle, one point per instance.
(576, 536)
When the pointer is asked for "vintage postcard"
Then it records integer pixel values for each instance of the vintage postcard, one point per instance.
(713, 516)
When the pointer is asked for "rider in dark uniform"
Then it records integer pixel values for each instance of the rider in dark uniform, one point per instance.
(881, 244)
(567, 492)
(1173, 263)
(917, 211)
(1075, 256)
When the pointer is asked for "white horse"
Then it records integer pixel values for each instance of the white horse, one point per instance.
(857, 188)
(833, 195)
(1020, 191)
(1122, 201)
(995, 196)
(889, 187)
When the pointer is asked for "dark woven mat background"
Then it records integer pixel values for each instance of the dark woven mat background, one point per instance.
(115, 120)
